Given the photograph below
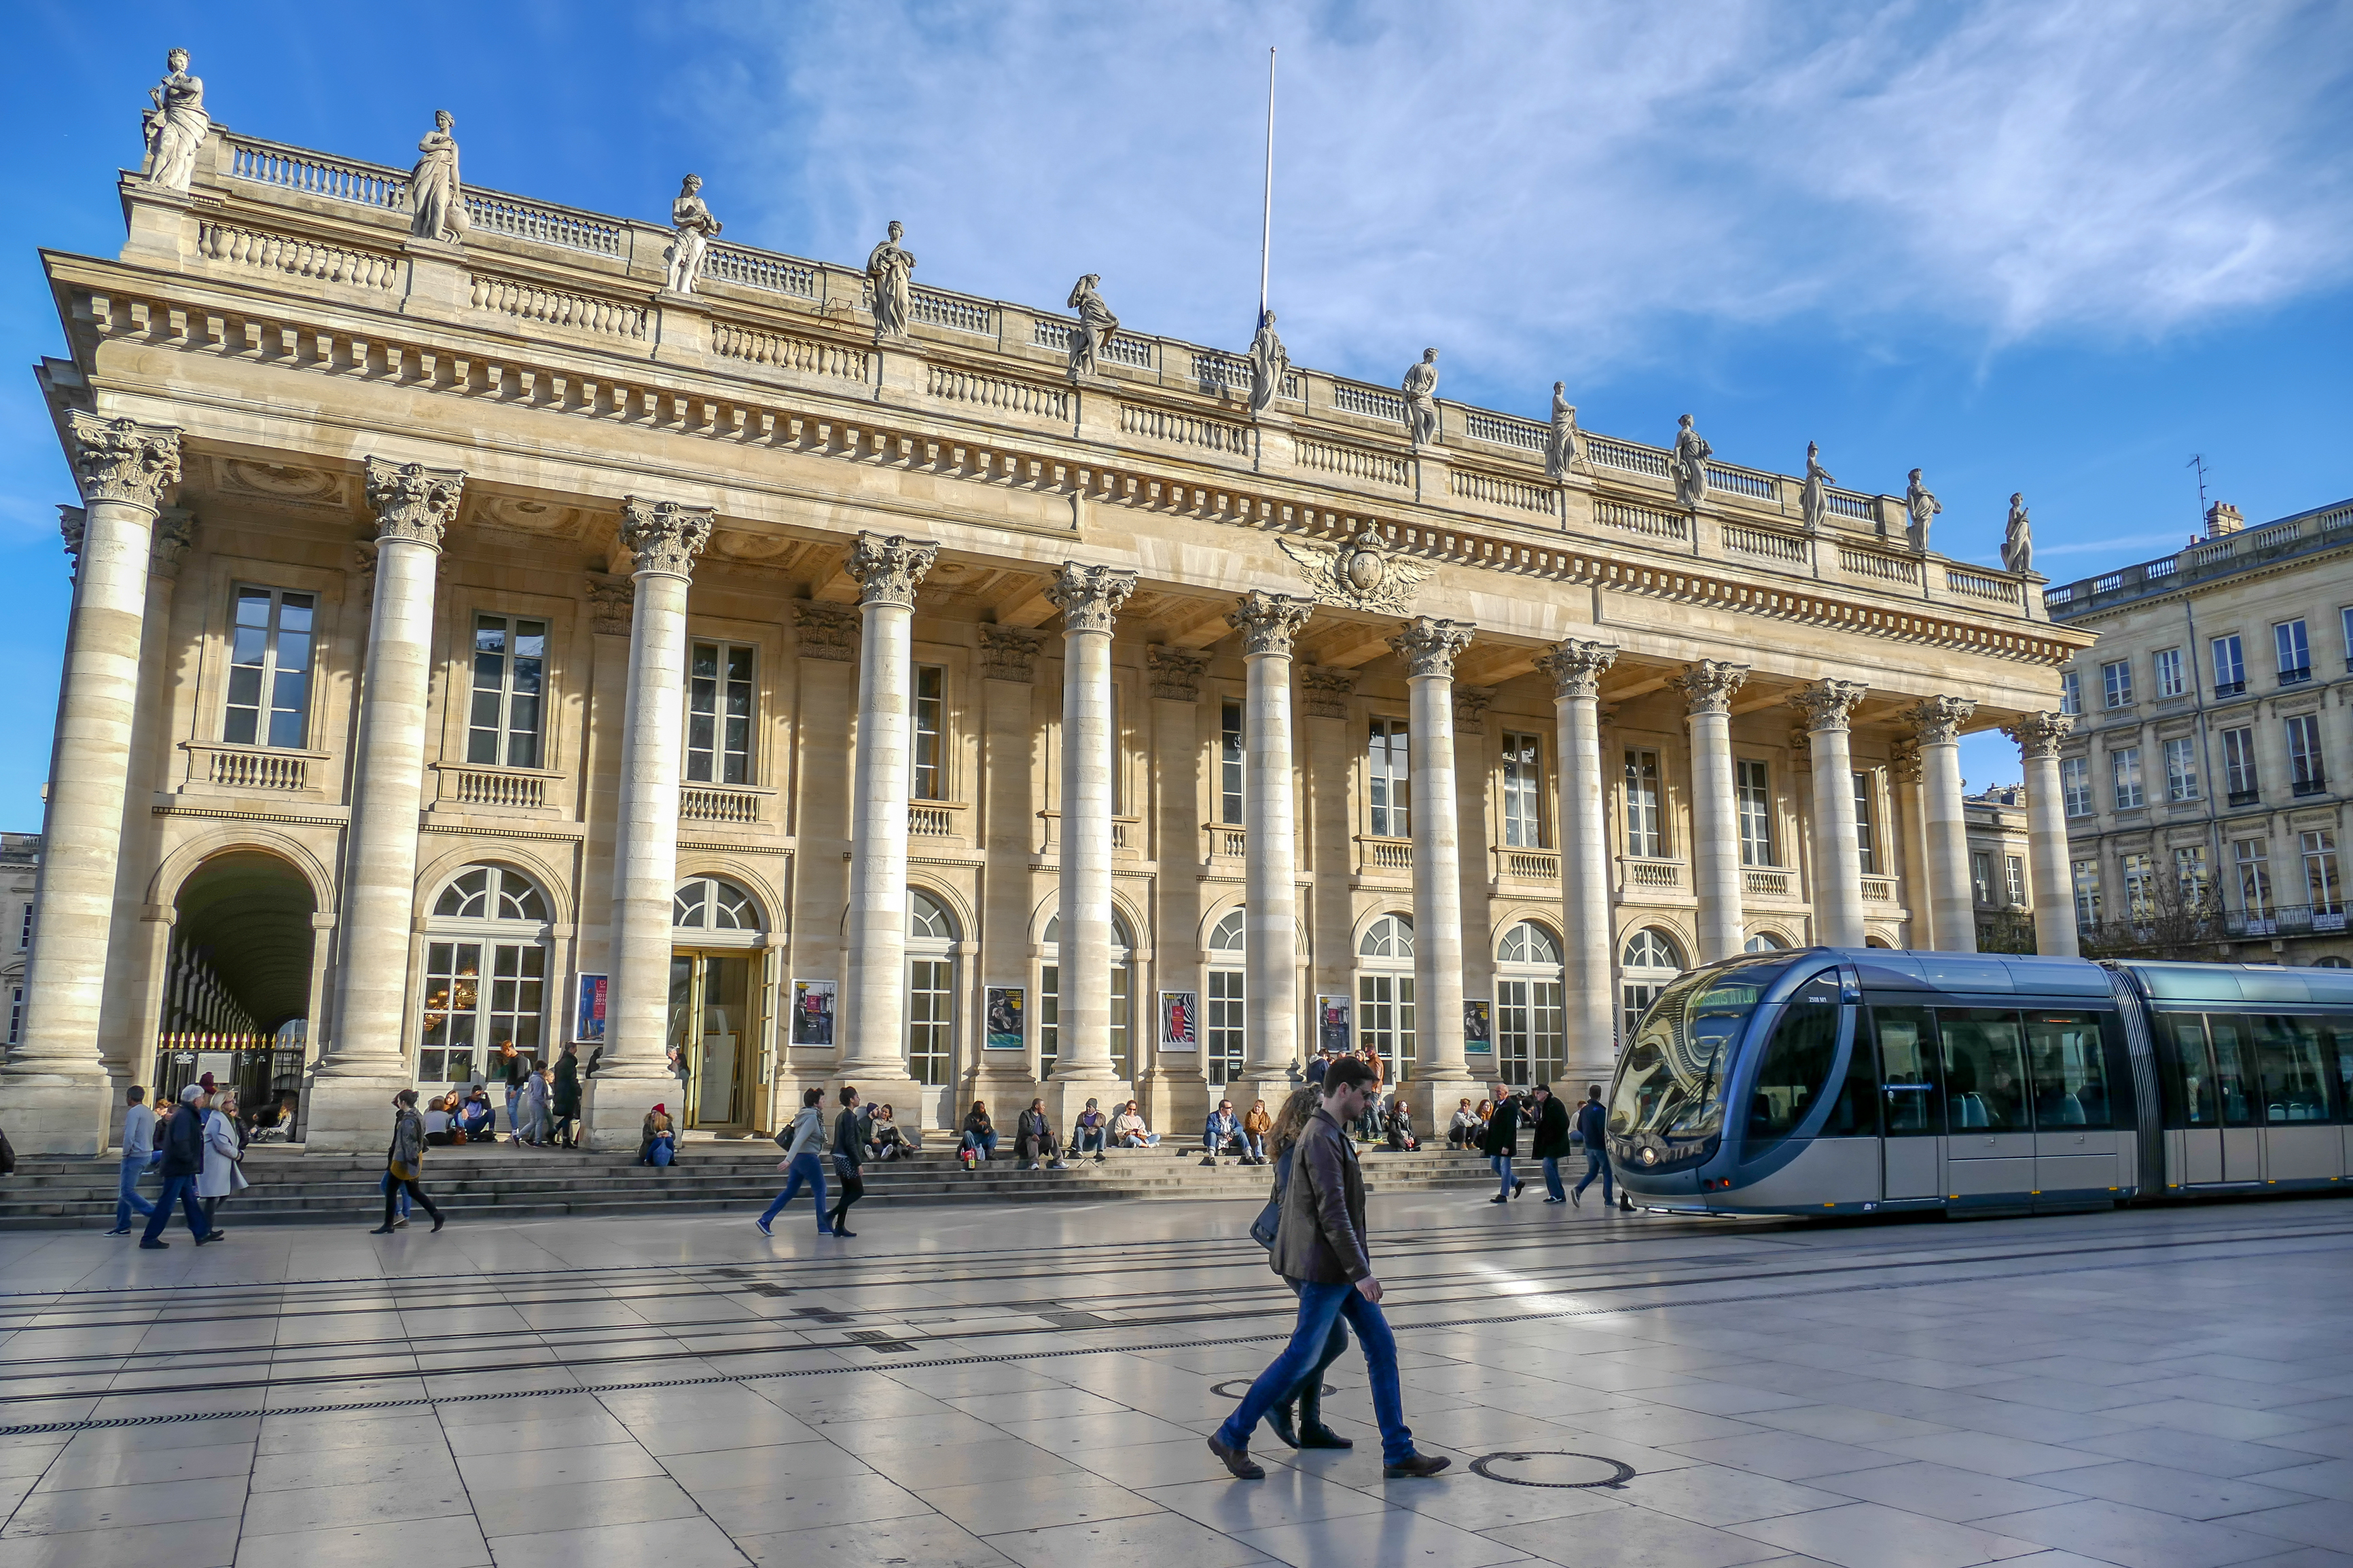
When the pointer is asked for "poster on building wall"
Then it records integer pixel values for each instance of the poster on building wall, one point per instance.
(1180, 1020)
(588, 1022)
(1007, 1009)
(1478, 1026)
(1332, 1025)
(813, 1012)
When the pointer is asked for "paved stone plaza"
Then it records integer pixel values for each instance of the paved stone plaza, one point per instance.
(2157, 1388)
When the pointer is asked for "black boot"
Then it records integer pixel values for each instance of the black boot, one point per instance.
(1313, 1432)
(1280, 1418)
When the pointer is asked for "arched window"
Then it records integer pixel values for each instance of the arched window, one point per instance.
(1764, 942)
(1650, 961)
(485, 973)
(1385, 1019)
(1531, 1029)
(2332, 962)
(1221, 1013)
(708, 904)
(718, 1001)
(1050, 1000)
(931, 989)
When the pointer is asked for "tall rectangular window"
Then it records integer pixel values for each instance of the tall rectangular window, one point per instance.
(1643, 833)
(2239, 766)
(2070, 692)
(1391, 775)
(2124, 771)
(2294, 650)
(15, 1014)
(510, 688)
(2169, 672)
(2115, 683)
(1753, 787)
(2321, 888)
(2140, 889)
(2181, 769)
(2254, 863)
(270, 670)
(2075, 784)
(2087, 892)
(1981, 876)
(2344, 622)
(2308, 774)
(1230, 757)
(2230, 666)
(1523, 792)
(2190, 875)
(25, 930)
(1866, 826)
(931, 775)
(1221, 1026)
(718, 713)
(2013, 868)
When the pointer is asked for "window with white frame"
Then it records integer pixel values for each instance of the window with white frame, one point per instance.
(2294, 647)
(931, 772)
(1866, 824)
(486, 946)
(2191, 877)
(1531, 1026)
(931, 989)
(1752, 789)
(1223, 1037)
(2167, 672)
(269, 663)
(2075, 786)
(1230, 760)
(1651, 959)
(1645, 836)
(1523, 791)
(2239, 765)
(1385, 1007)
(2345, 624)
(719, 694)
(1981, 877)
(2252, 858)
(2181, 769)
(2124, 773)
(2115, 683)
(1122, 1029)
(2087, 875)
(710, 904)
(502, 726)
(2230, 666)
(25, 930)
(1388, 778)
(2070, 692)
(2321, 887)
(2014, 880)
(2308, 774)
(2140, 885)
(15, 1014)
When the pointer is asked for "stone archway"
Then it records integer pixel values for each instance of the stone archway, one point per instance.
(237, 972)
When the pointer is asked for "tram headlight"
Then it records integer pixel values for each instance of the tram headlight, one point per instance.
(1647, 1156)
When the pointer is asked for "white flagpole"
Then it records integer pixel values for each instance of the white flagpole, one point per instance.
(1266, 229)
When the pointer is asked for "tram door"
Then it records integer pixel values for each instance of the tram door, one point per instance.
(2235, 1097)
(2212, 1111)
(1912, 1102)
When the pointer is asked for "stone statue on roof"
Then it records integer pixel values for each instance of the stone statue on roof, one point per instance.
(1688, 466)
(1814, 495)
(887, 270)
(1919, 506)
(692, 228)
(435, 196)
(2018, 538)
(1269, 365)
(1562, 449)
(1421, 387)
(176, 127)
(1092, 335)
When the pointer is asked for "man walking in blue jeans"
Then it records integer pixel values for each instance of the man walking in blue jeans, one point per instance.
(1593, 1126)
(183, 1158)
(1320, 1247)
(138, 1153)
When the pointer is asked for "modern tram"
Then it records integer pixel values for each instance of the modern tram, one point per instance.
(1857, 1081)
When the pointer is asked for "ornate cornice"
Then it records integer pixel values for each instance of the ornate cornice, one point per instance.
(1938, 721)
(412, 502)
(2039, 735)
(1471, 703)
(889, 567)
(1327, 691)
(611, 602)
(1010, 653)
(1828, 704)
(1708, 685)
(1090, 596)
(1430, 644)
(663, 536)
(124, 460)
(825, 631)
(1576, 668)
(1175, 672)
(1269, 621)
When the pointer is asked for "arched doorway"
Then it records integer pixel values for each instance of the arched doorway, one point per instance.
(1531, 1029)
(1384, 1018)
(719, 991)
(1222, 1013)
(237, 980)
(1123, 997)
(486, 951)
(1650, 961)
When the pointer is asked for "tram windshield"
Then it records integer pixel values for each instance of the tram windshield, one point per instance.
(1672, 1081)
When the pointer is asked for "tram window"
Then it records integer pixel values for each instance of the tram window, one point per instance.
(2337, 1033)
(2189, 1075)
(2232, 1080)
(1856, 1114)
(2063, 1051)
(1909, 1087)
(2288, 1054)
(1985, 1082)
(1796, 1065)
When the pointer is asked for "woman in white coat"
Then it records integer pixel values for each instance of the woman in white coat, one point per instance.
(222, 1175)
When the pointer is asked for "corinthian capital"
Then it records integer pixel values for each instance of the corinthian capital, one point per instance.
(175, 531)
(664, 536)
(1428, 645)
(1826, 704)
(1010, 653)
(1576, 668)
(121, 459)
(1903, 760)
(2038, 734)
(412, 502)
(1938, 721)
(887, 567)
(1175, 672)
(1327, 691)
(1090, 596)
(1708, 685)
(1269, 621)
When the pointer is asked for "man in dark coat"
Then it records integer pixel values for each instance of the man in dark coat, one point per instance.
(1320, 1247)
(1551, 1144)
(1593, 1126)
(1500, 1143)
(567, 1094)
(182, 1140)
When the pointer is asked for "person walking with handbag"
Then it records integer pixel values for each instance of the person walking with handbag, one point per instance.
(406, 1160)
(138, 1153)
(184, 1160)
(800, 1164)
(1551, 1144)
(1319, 1246)
(222, 1175)
(848, 1154)
(1305, 1401)
(1500, 1143)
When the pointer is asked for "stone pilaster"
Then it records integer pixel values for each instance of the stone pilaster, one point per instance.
(1271, 1044)
(664, 537)
(2039, 736)
(56, 1090)
(1936, 724)
(1008, 814)
(1176, 1085)
(1429, 647)
(1838, 855)
(1707, 687)
(1575, 670)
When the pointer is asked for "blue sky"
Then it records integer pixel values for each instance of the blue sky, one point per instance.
(2052, 247)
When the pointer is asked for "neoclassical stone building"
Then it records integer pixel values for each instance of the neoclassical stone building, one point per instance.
(477, 639)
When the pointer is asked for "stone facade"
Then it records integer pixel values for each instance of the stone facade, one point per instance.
(2208, 774)
(543, 645)
(20, 863)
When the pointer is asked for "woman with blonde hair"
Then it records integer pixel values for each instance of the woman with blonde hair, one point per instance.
(1256, 1125)
(1297, 1418)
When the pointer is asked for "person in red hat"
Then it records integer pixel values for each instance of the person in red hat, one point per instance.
(657, 1140)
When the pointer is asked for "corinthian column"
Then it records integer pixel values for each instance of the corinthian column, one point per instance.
(364, 1061)
(56, 1090)
(1269, 623)
(1089, 598)
(664, 537)
(1938, 724)
(1707, 687)
(1575, 670)
(1838, 855)
(888, 568)
(1429, 647)
(2038, 736)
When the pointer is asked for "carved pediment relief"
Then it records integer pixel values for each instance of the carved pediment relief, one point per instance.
(285, 485)
(1361, 574)
(520, 514)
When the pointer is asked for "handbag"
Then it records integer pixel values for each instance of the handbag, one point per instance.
(1269, 1219)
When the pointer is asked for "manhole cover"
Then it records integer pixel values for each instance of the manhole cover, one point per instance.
(1235, 1387)
(1553, 1469)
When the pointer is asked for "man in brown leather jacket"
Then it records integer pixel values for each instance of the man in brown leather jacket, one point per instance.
(1320, 1247)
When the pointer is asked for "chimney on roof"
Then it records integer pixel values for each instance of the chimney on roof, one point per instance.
(2222, 518)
